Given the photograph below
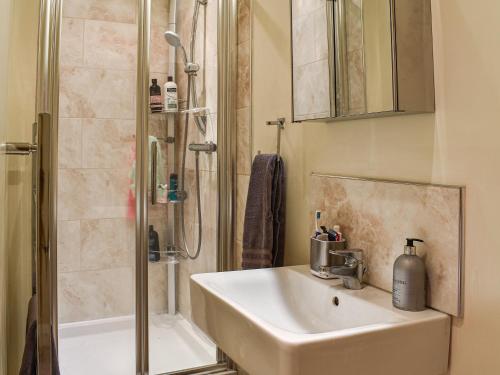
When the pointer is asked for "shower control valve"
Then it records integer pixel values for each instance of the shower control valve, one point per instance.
(191, 68)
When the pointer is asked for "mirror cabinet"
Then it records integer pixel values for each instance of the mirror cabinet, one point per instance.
(361, 58)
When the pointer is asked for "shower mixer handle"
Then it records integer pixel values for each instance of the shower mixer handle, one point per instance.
(191, 68)
(208, 147)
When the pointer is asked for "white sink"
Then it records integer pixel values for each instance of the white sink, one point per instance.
(285, 321)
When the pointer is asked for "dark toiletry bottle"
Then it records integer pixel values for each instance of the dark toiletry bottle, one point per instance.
(154, 245)
(172, 191)
(155, 101)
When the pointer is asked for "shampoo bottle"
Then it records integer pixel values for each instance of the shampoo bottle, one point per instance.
(408, 285)
(170, 90)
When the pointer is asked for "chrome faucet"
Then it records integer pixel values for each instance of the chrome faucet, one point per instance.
(353, 269)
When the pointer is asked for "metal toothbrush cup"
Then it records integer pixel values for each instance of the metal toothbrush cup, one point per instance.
(321, 260)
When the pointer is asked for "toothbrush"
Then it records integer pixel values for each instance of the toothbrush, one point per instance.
(317, 216)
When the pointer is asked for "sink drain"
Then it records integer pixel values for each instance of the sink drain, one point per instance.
(336, 301)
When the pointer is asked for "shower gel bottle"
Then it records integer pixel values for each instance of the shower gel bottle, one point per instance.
(170, 91)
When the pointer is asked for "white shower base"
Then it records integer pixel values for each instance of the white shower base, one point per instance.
(107, 346)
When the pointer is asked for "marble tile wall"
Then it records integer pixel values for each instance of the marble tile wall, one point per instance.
(378, 216)
(96, 240)
(311, 91)
(243, 121)
(206, 56)
(355, 57)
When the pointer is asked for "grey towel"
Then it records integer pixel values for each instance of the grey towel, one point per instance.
(264, 227)
(29, 361)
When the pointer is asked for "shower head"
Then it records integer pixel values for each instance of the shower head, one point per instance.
(174, 40)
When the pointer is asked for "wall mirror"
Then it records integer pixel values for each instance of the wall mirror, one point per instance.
(361, 58)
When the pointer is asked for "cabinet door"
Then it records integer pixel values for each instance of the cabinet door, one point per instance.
(312, 86)
(364, 61)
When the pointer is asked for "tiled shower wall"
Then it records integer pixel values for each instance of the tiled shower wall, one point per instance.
(243, 120)
(96, 240)
(206, 56)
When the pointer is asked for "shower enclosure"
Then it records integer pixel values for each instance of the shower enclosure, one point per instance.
(109, 300)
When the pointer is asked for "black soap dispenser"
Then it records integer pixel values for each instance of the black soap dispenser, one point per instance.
(154, 245)
(409, 275)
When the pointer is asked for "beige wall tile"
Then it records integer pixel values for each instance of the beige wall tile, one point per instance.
(211, 87)
(157, 288)
(241, 202)
(243, 165)
(207, 262)
(159, 50)
(311, 89)
(208, 185)
(304, 7)
(238, 254)
(243, 95)
(97, 93)
(70, 143)
(108, 10)
(320, 33)
(190, 213)
(354, 26)
(211, 33)
(244, 22)
(111, 45)
(93, 193)
(105, 243)
(159, 13)
(71, 48)
(68, 246)
(304, 41)
(99, 294)
(108, 143)
(356, 80)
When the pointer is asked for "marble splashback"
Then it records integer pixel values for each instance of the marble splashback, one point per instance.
(377, 216)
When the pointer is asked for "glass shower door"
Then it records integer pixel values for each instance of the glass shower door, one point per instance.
(123, 301)
(175, 343)
(96, 199)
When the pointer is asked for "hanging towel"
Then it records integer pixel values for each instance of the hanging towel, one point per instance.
(161, 178)
(264, 227)
(29, 361)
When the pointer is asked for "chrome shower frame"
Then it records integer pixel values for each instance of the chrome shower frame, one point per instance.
(226, 164)
(47, 101)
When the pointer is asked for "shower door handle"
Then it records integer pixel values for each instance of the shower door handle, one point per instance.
(17, 148)
(154, 172)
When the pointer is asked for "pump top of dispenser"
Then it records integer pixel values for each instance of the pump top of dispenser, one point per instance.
(410, 248)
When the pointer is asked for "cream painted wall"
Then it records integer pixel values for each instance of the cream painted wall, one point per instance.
(20, 114)
(5, 12)
(459, 144)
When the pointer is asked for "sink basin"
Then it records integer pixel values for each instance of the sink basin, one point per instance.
(286, 321)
